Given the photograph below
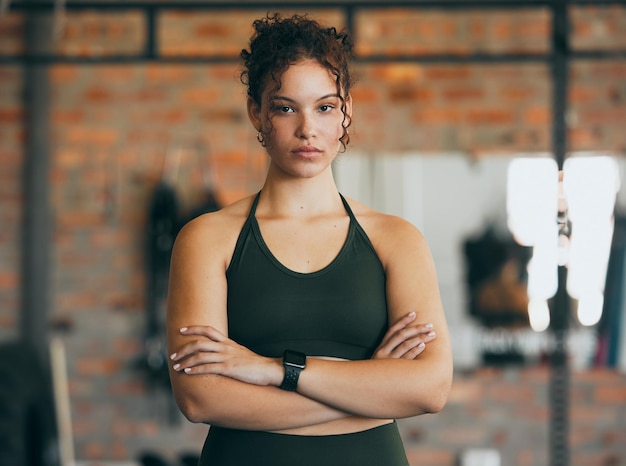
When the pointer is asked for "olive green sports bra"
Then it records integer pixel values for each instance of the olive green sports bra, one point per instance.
(338, 311)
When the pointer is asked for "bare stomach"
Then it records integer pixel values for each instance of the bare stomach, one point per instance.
(346, 425)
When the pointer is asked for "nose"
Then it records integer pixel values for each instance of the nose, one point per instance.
(306, 127)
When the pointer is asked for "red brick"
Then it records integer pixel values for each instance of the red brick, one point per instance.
(92, 136)
(212, 31)
(613, 437)
(529, 458)
(92, 450)
(78, 302)
(437, 116)
(119, 451)
(64, 74)
(517, 93)
(599, 375)
(11, 115)
(463, 435)
(593, 415)
(606, 115)
(466, 391)
(495, 116)
(97, 366)
(610, 395)
(409, 96)
(9, 280)
(533, 412)
(538, 115)
(69, 116)
(459, 72)
(226, 116)
(512, 394)
(74, 219)
(423, 456)
(7, 321)
(582, 435)
(463, 93)
(168, 73)
(149, 95)
(83, 426)
(126, 428)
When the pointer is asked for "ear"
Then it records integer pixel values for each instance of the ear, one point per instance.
(254, 114)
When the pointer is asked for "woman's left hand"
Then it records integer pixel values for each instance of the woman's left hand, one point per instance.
(405, 339)
(214, 353)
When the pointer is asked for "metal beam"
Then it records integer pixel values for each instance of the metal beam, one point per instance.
(36, 213)
(152, 10)
(264, 4)
(559, 370)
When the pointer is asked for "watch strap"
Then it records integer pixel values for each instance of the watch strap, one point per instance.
(293, 363)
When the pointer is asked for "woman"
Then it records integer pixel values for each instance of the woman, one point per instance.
(292, 314)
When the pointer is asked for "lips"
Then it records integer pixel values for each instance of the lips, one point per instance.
(306, 149)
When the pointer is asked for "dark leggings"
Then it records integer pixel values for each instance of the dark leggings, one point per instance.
(380, 446)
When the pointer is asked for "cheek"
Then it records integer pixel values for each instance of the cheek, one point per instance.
(339, 129)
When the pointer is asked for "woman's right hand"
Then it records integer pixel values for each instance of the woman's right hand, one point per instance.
(405, 340)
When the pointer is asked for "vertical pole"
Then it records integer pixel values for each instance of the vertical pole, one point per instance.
(151, 45)
(36, 217)
(559, 369)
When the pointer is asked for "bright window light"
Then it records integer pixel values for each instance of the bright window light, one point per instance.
(532, 198)
(538, 314)
(590, 185)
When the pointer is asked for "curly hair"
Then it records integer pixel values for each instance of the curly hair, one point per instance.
(279, 42)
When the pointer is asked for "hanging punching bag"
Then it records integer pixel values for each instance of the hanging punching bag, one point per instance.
(162, 228)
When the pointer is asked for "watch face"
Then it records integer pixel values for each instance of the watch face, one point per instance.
(295, 358)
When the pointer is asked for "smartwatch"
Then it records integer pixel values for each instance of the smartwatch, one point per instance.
(293, 362)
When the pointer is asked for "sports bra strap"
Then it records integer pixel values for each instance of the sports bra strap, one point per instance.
(255, 202)
(348, 209)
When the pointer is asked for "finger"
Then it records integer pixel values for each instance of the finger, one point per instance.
(195, 346)
(414, 352)
(399, 325)
(196, 361)
(205, 331)
(416, 345)
(401, 336)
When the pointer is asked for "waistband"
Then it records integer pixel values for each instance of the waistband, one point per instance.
(373, 447)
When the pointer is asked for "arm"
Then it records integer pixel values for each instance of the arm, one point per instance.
(384, 387)
(197, 293)
(393, 388)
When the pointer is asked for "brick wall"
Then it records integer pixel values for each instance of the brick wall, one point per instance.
(115, 126)
(507, 410)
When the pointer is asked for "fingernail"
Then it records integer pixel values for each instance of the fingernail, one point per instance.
(176, 367)
(411, 314)
(421, 345)
(187, 370)
(173, 356)
(432, 334)
(428, 326)
(183, 330)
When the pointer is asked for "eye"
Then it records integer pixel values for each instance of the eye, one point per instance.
(326, 108)
(283, 109)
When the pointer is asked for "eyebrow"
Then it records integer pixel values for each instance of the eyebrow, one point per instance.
(327, 96)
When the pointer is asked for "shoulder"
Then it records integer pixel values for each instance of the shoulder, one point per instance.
(390, 235)
(381, 227)
(213, 234)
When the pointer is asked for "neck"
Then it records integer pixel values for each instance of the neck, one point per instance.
(301, 196)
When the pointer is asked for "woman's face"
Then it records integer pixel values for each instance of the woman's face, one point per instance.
(305, 120)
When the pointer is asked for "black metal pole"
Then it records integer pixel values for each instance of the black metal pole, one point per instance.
(559, 321)
(36, 218)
